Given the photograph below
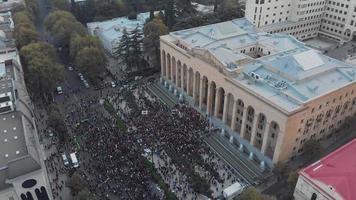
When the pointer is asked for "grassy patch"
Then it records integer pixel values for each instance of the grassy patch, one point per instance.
(110, 108)
(169, 195)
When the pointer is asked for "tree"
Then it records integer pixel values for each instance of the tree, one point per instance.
(75, 183)
(169, 13)
(252, 194)
(32, 7)
(230, 9)
(312, 149)
(152, 31)
(61, 4)
(91, 61)
(62, 25)
(123, 51)
(84, 194)
(79, 42)
(42, 71)
(24, 31)
(136, 45)
(55, 120)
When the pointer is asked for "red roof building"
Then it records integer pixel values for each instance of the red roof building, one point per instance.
(331, 178)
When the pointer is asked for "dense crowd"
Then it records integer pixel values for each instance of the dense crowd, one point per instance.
(111, 158)
(112, 161)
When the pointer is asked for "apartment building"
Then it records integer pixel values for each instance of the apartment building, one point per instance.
(305, 19)
(22, 170)
(271, 91)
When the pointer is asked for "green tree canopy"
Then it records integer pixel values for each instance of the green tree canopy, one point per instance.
(252, 194)
(61, 4)
(152, 31)
(75, 183)
(42, 71)
(312, 149)
(62, 25)
(24, 32)
(79, 42)
(91, 61)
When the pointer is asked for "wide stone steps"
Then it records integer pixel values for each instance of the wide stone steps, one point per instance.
(165, 98)
(246, 168)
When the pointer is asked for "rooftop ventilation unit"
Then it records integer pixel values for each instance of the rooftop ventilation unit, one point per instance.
(281, 85)
(231, 65)
(255, 76)
(5, 97)
(6, 107)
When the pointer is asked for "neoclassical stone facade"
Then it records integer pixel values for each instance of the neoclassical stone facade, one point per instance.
(260, 85)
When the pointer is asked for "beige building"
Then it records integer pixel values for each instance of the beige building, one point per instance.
(271, 91)
(333, 19)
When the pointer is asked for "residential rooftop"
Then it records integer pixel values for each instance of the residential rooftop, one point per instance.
(18, 154)
(336, 172)
(276, 67)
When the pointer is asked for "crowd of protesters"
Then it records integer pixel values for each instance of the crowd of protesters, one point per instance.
(112, 161)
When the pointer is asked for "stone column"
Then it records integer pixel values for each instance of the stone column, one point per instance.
(265, 138)
(162, 64)
(182, 78)
(201, 93)
(188, 83)
(168, 72)
(194, 87)
(225, 111)
(172, 73)
(217, 103)
(254, 130)
(208, 104)
(233, 120)
(243, 122)
(177, 75)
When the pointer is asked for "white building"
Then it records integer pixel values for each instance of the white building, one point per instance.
(331, 178)
(22, 170)
(7, 5)
(334, 19)
(111, 31)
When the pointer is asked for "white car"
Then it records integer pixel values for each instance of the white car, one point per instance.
(65, 160)
(70, 68)
(74, 160)
(59, 90)
(86, 84)
(113, 84)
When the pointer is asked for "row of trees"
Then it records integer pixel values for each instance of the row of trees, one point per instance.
(24, 31)
(71, 37)
(252, 194)
(42, 71)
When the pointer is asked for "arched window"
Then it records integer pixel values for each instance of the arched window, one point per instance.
(314, 196)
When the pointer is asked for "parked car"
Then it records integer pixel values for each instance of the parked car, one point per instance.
(70, 68)
(86, 84)
(113, 84)
(74, 160)
(65, 160)
(59, 90)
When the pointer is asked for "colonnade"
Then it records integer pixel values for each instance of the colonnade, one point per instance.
(242, 118)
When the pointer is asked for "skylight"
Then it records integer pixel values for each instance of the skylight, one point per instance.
(308, 60)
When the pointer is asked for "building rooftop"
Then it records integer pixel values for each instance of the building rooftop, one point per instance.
(276, 67)
(111, 31)
(336, 172)
(17, 151)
